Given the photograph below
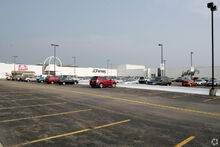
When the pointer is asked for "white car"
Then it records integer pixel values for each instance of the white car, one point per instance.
(200, 82)
(30, 79)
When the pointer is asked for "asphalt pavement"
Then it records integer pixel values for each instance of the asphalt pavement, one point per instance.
(45, 115)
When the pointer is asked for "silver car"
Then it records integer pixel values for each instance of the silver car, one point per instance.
(200, 82)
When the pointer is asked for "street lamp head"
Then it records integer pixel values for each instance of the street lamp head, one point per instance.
(214, 8)
(160, 44)
(210, 5)
(54, 45)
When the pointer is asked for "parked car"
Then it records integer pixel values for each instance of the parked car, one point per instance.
(51, 79)
(67, 80)
(24, 76)
(160, 81)
(179, 79)
(216, 83)
(16, 77)
(41, 80)
(195, 78)
(30, 79)
(205, 78)
(142, 80)
(188, 83)
(9, 77)
(100, 81)
(200, 82)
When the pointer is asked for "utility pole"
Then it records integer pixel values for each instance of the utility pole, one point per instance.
(192, 69)
(107, 65)
(74, 65)
(14, 62)
(213, 8)
(54, 45)
(162, 64)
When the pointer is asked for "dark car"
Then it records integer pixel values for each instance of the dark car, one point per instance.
(179, 79)
(160, 81)
(142, 80)
(100, 81)
(67, 80)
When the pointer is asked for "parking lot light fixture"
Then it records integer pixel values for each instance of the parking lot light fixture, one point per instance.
(54, 45)
(213, 8)
(162, 65)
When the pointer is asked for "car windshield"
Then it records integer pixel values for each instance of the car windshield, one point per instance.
(94, 78)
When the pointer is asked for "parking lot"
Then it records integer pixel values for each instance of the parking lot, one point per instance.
(38, 114)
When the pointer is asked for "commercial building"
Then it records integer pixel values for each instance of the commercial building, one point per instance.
(125, 70)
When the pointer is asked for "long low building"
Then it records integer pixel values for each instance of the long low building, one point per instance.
(125, 70)
(8, 69)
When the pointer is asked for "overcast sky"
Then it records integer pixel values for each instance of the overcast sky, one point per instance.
(124, 31)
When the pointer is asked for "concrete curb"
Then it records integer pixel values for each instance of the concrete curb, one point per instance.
(190, 90)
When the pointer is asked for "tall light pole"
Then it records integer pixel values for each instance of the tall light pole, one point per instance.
(191, 60)
(74, 66)
(54, 45)
(14, 62)
(164, 61)
(107, 65)
(162, 66)
(213, 8)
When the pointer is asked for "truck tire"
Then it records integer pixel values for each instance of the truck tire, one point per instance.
(101, 85)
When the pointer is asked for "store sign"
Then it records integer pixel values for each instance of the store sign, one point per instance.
(98, 71)
(22, 67)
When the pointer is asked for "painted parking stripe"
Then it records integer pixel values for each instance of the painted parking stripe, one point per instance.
(141, 102)
(181, 95)
(185, 141)
(207, 100)
(41, 116)
(27, 99)
(27, 106)
(71, 133)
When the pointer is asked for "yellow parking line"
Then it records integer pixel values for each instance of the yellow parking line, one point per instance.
(38, 105)
(71, 133)
(181, 95)
(185, 141)
(41, 116)
(27, 99)
(15, 95)
(140, 102)
(211, 99)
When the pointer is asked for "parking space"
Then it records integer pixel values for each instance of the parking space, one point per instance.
(53, 115)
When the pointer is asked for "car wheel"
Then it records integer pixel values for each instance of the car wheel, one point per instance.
(52, 82)
(41, 81)
(114, 85)
(64, 83)
(28, 80)
(101, 85)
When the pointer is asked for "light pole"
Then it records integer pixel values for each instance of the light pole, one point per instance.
(192, 69)
(164, 61)
(162, 66)
(14, 62)
(74, 66)
(213, 8)
(54, 45)
(107, 65)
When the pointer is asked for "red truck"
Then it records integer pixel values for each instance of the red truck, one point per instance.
(102, 81)
(51, 79)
